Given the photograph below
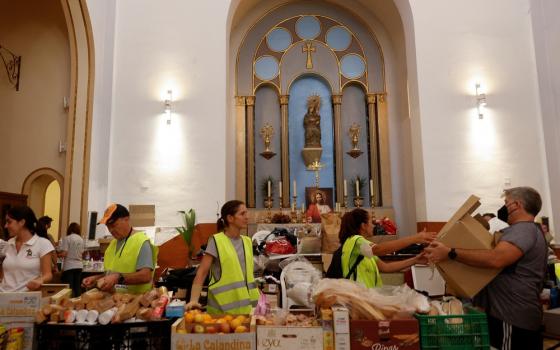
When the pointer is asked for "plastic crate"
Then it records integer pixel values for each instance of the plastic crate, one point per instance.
(454, 332)
(123, 336)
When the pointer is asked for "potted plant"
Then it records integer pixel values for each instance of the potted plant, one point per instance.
(187, 229)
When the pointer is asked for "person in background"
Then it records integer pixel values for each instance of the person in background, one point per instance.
(71, 249)
(511, 300)
(229, 259)
(355, 229)
(43, 225)
(130, 258)
(28, 257)
(494, 223)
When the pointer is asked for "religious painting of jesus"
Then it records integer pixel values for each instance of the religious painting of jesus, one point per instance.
(318, 201)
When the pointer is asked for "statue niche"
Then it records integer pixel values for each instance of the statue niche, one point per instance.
(312, 149)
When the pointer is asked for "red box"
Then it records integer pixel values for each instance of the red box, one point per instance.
(384, 335)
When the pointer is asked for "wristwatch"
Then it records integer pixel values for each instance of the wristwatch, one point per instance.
(452, 254)
(121, 279)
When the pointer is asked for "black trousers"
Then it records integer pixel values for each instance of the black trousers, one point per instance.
(74, 278)
(504, 336)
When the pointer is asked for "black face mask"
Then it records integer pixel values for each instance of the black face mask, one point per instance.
(503, 213)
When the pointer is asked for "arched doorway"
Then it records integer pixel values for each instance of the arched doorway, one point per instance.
(43, 189)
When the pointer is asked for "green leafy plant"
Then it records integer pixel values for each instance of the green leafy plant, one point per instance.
(361, 184)
(187, 229)
(264, 186)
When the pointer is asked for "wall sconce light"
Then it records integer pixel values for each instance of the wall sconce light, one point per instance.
(480, 101)
(12, 63)
(167, 104)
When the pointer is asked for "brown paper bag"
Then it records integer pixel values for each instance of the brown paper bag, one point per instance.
(330, 224)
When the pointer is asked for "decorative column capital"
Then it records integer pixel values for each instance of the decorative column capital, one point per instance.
(381, 97)
(284, 99)
(250, 100)
(240, 100)
(337, 99)
(371, 98)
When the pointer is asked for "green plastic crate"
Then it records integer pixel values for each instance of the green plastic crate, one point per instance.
(455, 332)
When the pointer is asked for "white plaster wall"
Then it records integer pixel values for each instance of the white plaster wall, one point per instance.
(102, 15)
(458, 43)
(546, 32)
(179, 45)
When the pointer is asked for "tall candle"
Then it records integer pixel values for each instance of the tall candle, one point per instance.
(303, 207)
(280, 189)
(371, 187)
(295, 189)
(345, 189)
(269, 188)
(357, 188)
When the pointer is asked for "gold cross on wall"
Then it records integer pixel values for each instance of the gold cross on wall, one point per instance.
(309, 49)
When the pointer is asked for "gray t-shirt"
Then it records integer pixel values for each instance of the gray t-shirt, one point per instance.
(513, 296)
(73, 245)
(211, 249)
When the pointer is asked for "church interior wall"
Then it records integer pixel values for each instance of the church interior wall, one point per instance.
(33, 119)
(440, 151)
(463, 154)
(546, 31)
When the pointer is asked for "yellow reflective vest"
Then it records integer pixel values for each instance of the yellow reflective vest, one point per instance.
(367, 272)
(233, 293)
(124, 260)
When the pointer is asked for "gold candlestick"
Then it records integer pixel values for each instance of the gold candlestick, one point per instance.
(268, 219)
(293, 212)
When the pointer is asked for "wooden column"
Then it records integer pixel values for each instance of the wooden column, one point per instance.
(339, 166)
(250, 100)
(386, 199)
(285, 160)
(240, 148)
(373, 147)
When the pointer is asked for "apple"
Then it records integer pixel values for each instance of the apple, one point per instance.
(240, 329)
(198, 328)
(225, 327)
(211, 329)
(198, 318)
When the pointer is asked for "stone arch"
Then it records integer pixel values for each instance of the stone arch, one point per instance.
(35, 187)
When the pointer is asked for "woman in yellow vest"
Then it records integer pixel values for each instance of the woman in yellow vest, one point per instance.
(355, 228)
(229, 260)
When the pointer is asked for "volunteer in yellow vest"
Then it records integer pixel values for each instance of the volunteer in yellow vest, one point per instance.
(229, 260)
(355, 228)
(130, 258)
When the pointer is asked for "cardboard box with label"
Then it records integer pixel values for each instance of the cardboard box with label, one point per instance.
(402, 334)
(205, 341)
(17, 310)
(464, 231)
(289, 338)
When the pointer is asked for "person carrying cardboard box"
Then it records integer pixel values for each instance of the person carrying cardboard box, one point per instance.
(511, 300)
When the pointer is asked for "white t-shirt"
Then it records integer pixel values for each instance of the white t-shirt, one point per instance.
(73, 245)
(20, 268)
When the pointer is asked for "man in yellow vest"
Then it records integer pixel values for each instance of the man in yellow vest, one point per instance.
(129, 260)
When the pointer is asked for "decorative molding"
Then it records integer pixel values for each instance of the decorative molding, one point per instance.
(12, 62)
(337, 99)
(284, 99)
(250, 101)
(240, 100)
(371, 98)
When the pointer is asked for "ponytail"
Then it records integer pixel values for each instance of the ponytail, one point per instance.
(229, 208)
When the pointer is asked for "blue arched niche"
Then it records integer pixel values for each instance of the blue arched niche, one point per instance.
(300, 90)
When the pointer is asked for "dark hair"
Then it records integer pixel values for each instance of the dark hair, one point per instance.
(74, 227)
(229, 208)
(491, 215)
(23, 212)
(45, 220)
(351, 223)
(41, 229)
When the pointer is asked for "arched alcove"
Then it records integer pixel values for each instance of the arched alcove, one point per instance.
(392, 27)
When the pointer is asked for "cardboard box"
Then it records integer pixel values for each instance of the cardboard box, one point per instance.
(341, 319)
(342, 341)
(396, 335)
(464, 231)
(289, 338)
(203, 341)
(20, 304)
(551, 320)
